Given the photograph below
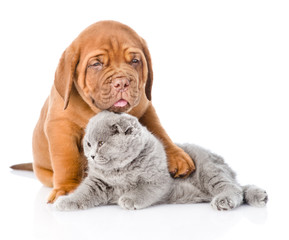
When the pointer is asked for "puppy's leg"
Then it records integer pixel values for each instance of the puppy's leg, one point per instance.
(44, 175)
(66, 160)
(180, 163)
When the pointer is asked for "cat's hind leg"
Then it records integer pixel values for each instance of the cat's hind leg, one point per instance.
(226, 192)
(227, 200)
(214, 177)
(255, 196)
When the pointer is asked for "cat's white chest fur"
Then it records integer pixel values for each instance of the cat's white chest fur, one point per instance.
(119, 179)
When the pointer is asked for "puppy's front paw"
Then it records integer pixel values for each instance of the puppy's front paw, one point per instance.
(180, 163)
(60, 191)
(127, 203)
(64, 203)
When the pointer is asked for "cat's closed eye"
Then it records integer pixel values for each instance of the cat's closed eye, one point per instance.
(88, 144)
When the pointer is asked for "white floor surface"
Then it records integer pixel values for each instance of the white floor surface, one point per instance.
(26, 215)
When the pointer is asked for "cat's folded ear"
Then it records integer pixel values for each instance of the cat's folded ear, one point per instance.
(122, 128)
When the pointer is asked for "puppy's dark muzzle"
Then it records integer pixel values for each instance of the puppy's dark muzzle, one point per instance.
(120, 84)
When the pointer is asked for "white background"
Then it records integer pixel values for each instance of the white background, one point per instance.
(220, 80)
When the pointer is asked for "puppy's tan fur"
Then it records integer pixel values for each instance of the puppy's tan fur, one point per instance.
(106, 63)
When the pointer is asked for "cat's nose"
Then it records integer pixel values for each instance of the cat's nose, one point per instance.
(92, 156)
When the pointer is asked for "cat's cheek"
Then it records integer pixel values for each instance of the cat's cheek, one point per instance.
(90, 160)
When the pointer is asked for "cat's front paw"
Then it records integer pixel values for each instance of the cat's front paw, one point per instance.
(127, 203)
(64, 203)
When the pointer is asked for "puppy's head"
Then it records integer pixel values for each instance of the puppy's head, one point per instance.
(109, 65)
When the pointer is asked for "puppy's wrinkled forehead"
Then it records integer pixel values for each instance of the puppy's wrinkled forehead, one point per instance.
(110, 37)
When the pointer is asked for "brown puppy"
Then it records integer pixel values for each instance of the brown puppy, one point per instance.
(108, 66)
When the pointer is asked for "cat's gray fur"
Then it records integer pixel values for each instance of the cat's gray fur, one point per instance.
(127, 166)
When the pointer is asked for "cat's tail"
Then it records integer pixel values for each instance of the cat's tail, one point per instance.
(255, 196)
(23, 166)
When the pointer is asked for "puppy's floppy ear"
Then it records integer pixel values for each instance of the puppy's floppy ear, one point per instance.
(65, 73)
(149, 82)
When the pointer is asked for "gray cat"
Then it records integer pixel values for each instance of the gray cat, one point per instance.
(127, 166)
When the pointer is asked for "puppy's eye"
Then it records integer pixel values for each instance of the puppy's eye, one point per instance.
(88, 144)
(96, 65)
(100, 143)
(134, 61)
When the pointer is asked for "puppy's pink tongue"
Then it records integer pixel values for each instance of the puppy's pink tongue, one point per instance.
(120, 103)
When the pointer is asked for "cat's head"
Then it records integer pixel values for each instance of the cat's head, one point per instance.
(113, 140)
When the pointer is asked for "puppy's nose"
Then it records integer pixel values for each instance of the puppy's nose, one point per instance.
(92, 156)
(120, 84)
